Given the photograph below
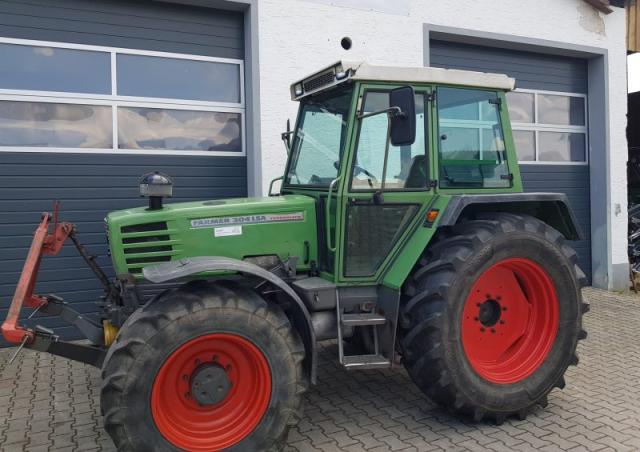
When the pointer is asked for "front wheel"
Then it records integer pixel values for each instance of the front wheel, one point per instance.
(491, 316)
(203, 367)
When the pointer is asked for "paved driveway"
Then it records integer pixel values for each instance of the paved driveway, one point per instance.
(50, 403)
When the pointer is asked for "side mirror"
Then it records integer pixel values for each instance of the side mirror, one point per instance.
(403, 123)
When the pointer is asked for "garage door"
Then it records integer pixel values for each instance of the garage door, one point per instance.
(549, 115)
(94, 94)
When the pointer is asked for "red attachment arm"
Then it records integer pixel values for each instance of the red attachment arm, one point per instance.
(43, 243)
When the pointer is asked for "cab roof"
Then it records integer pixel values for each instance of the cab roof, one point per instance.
(342, 71)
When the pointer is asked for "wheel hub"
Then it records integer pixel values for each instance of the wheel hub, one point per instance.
(210, 384)
(490, 312)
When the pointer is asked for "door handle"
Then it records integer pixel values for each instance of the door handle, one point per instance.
(360, 202)
(327, 215)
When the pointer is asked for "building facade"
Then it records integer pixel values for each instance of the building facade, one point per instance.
(94, 94)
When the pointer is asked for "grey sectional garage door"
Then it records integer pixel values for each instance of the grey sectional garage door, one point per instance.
(90, 184)
(551, 110)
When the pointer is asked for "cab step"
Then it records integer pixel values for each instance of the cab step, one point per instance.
(363, 319)
(365, 362)
(371, 359)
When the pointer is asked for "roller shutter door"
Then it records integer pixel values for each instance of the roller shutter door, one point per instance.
(152, 44)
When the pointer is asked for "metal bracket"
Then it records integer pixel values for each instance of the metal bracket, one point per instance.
(45, 341)
(290, 266)
(91, 330)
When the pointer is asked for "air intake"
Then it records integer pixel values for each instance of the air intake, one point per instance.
(148, 243)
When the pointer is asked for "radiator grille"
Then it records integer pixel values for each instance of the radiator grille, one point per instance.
(145, 244)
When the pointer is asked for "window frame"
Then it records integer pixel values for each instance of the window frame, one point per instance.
(537, 127)
(299, 122)
(502, 117)
(421, 91)
(114, 100)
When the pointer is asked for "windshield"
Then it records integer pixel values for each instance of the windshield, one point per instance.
(319, 139)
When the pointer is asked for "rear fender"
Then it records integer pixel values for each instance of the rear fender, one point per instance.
(301, 319)
(551, 208)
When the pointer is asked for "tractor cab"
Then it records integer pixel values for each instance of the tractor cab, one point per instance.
(374, 146)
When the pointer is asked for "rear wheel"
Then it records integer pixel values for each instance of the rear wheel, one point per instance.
(492, 315)
(203, 367)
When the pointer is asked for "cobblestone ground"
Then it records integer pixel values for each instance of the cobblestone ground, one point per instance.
(51, 403)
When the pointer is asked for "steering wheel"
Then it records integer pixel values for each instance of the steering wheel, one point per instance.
(357, 170)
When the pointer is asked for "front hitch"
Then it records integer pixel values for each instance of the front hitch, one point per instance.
(43, 244)
(44, 339)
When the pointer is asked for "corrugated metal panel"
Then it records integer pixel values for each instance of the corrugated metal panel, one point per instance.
(531, 70)
(88, 186)
(129, 24)
(541, 72)
(574, 182)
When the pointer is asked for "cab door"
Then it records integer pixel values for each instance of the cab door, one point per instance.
(373, 227)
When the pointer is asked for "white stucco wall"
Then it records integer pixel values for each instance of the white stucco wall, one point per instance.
(297, 37)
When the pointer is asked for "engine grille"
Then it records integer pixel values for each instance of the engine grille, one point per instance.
(145, 244)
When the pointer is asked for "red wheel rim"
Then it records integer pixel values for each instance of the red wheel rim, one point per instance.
(510, 321)
(195, 427)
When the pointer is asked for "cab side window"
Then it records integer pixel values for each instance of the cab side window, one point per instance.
(406, 165)
(471, 147)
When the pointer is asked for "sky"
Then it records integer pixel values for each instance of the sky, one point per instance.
(634, 72)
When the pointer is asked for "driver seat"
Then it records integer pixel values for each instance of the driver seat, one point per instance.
(417, 177)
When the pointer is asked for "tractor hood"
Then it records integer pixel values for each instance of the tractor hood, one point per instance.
(240, 228)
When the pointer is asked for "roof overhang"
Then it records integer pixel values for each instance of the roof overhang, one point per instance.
(343, 71)
(601, 5)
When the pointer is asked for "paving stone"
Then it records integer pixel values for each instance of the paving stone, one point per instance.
(52, 404)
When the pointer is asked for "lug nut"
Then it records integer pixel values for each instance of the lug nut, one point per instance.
(493, 330)
(482, 330)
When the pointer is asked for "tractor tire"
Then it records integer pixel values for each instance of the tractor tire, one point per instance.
(491, 316)
(207, 366)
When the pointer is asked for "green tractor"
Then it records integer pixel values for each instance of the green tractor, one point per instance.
(400, 231)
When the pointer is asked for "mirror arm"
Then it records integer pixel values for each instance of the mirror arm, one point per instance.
(271, 185)
(378, 196)
(390, 111)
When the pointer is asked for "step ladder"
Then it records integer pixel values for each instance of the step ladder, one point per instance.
(368, 361)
